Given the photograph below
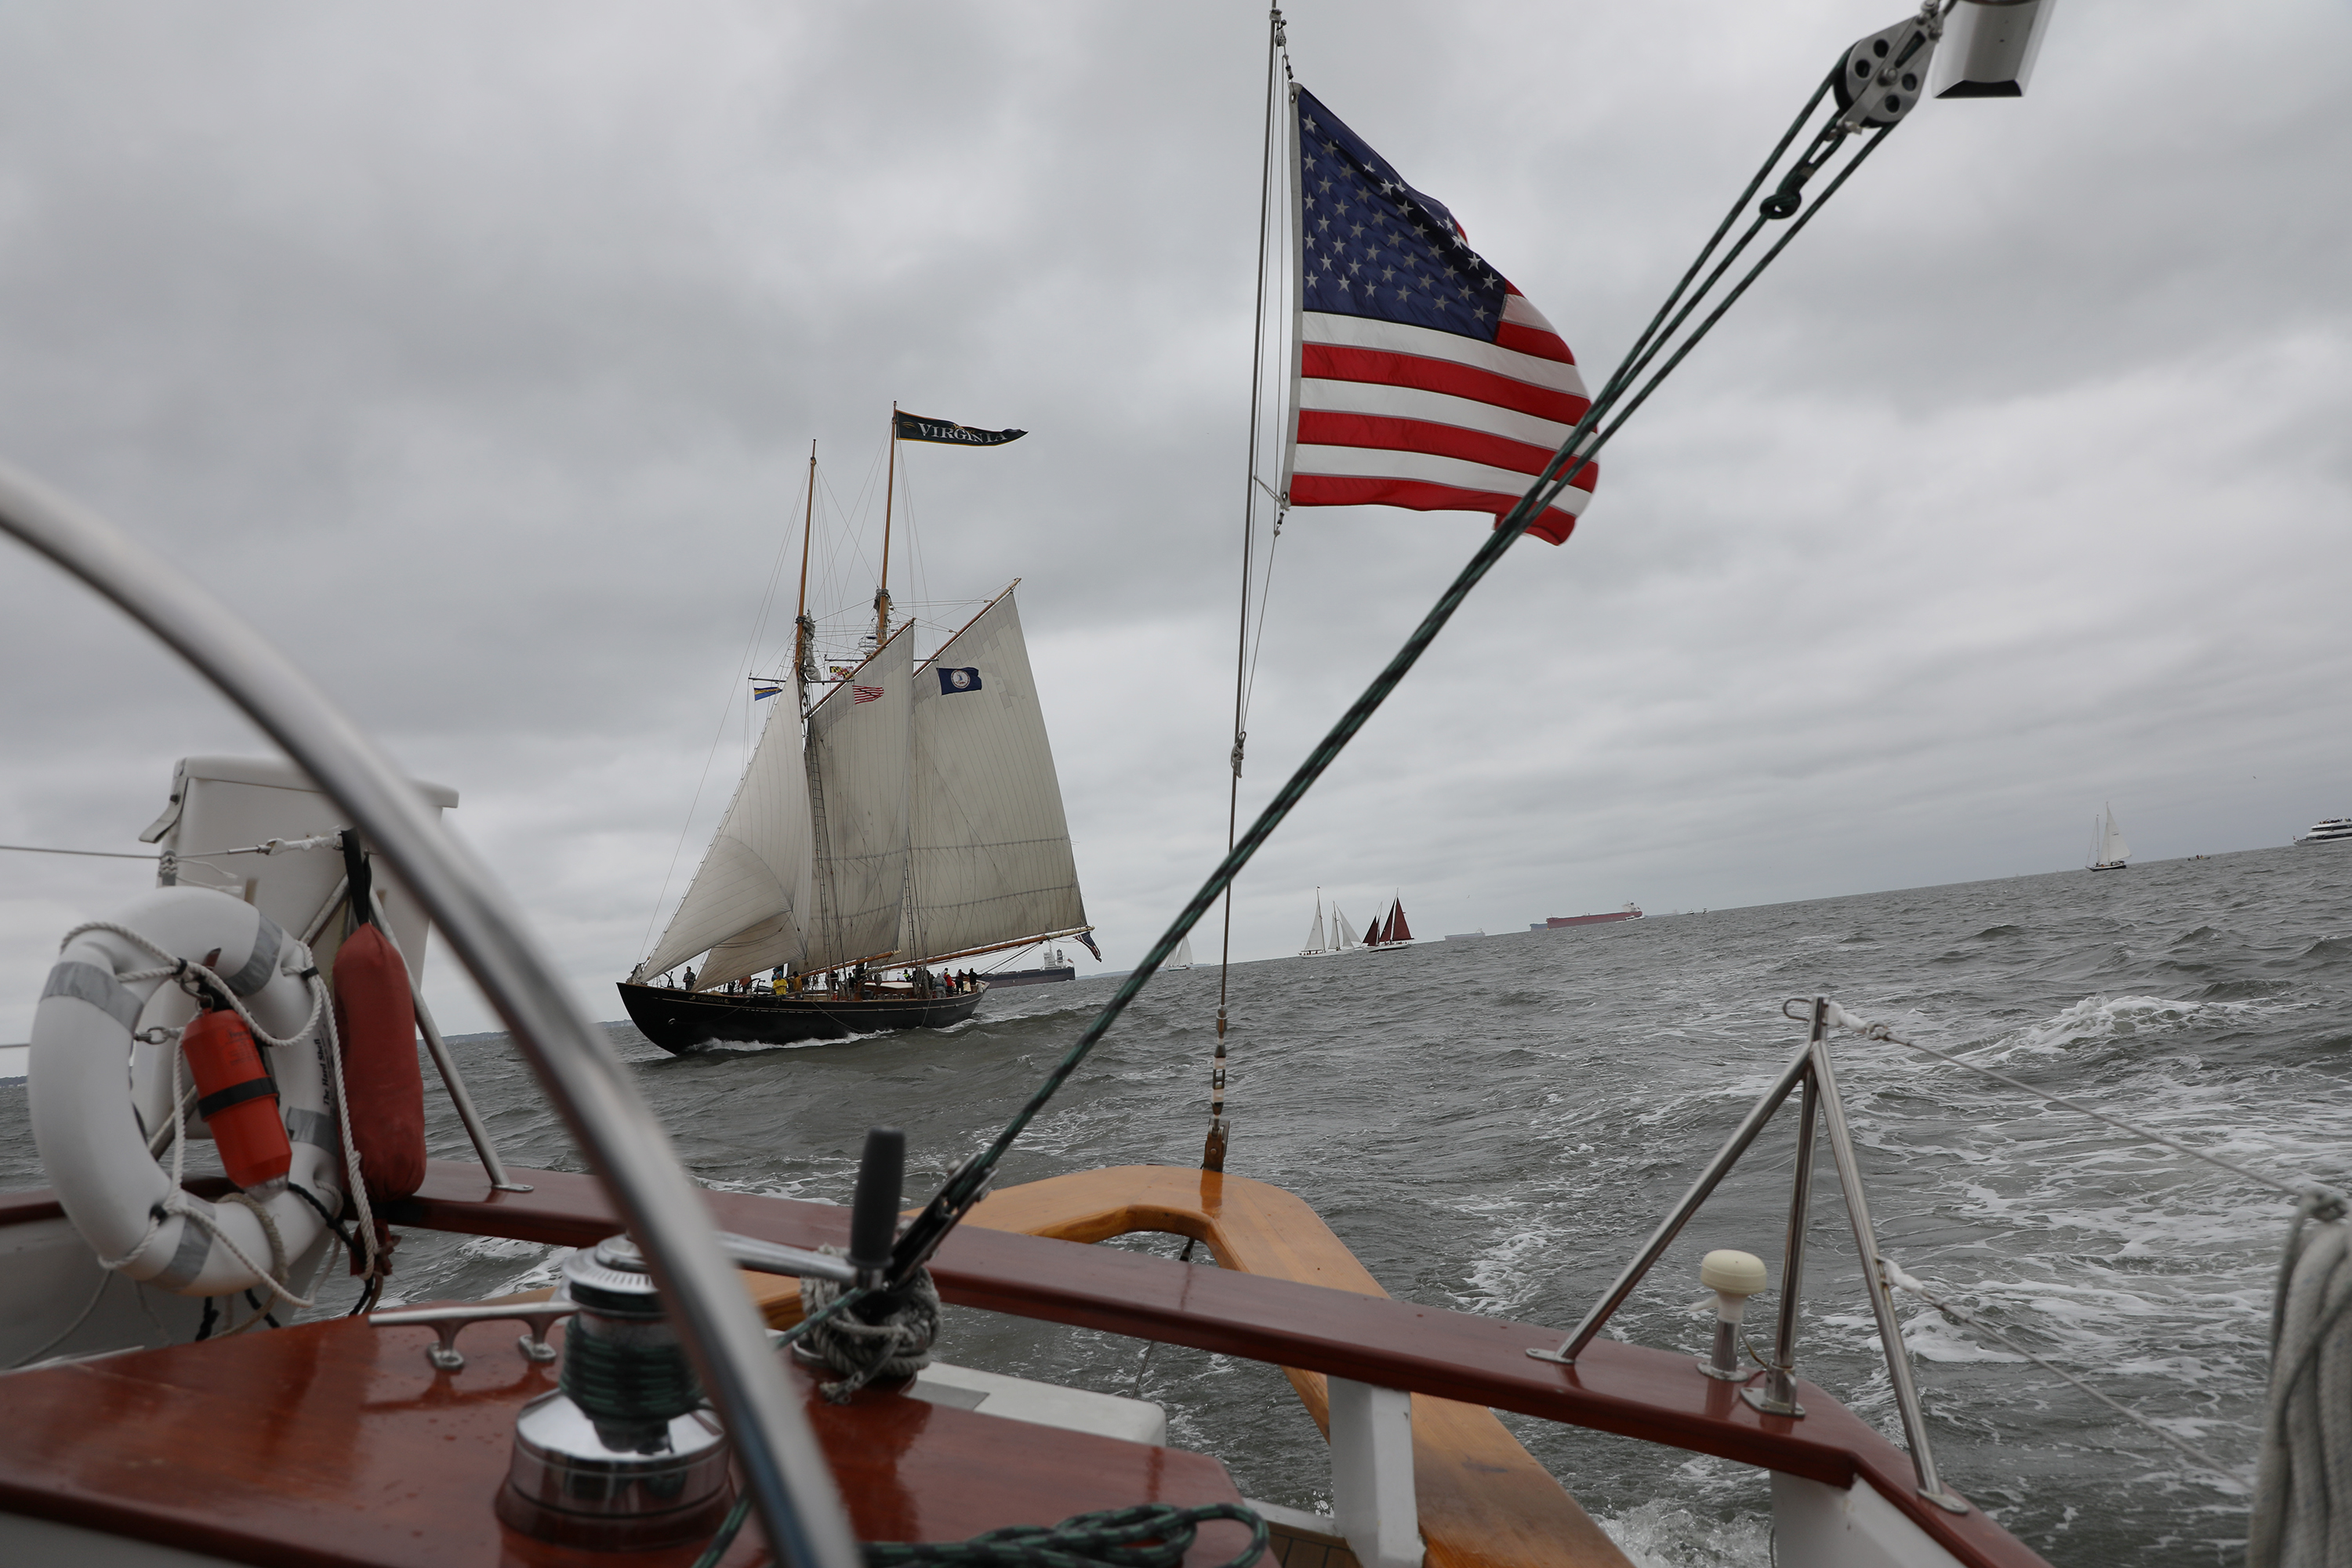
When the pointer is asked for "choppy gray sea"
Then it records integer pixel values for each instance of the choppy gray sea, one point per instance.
(1493, 1126)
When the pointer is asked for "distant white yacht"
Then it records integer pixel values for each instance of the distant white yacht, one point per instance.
(2328, 830)
(1342, 938)
(2108, 850)
(1183, 959)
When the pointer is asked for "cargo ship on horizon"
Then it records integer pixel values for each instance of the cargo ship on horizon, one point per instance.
(1561, 922)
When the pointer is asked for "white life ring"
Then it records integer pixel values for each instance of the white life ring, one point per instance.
(89, 1137)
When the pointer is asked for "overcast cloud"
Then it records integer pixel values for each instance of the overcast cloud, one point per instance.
(474, 351)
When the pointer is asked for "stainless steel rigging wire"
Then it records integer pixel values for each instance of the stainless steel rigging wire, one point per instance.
(1617, 399)
(1212, 1147)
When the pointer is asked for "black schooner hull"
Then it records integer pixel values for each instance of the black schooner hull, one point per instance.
(678, 1021)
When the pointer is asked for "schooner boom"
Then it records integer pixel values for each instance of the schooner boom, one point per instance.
(907, 814)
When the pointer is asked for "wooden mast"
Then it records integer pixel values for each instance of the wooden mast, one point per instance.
(889, 485)
(803, 629)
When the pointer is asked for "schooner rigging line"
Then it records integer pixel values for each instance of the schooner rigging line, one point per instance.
(901, 814)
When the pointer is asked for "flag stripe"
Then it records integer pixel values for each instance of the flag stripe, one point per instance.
(1416, 495)
(1426, 437)
(1430, 467)
(1543, 343)
(1517, 307)
(1453, 397)
(1326, 362)
(1403, 338)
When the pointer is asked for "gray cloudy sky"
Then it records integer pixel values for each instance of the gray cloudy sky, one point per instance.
(476, 351)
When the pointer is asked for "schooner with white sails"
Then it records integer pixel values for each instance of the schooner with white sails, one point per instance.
(899, 817)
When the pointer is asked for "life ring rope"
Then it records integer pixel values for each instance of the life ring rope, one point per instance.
(234, 987)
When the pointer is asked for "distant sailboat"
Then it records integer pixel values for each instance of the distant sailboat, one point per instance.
(2108, 850)
(1390, 930)
(1183, 959)
(1341, 937)
(1316, 946)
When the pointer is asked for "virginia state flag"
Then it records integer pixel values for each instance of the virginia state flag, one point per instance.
(954, 680)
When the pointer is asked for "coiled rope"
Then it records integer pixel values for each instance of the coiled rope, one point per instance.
(2303, 1497)
(896, 1345)
(616, 1380)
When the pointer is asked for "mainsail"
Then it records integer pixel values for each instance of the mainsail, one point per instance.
(1315, 937)
(857, 742)
(749, 898)
(1343, 936)
(990, 863)
(2113, 850)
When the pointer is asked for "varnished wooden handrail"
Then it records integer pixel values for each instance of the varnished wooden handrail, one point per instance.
(1635, 1392)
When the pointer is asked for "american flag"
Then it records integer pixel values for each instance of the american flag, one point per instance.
(864, 694)
(1425, 380)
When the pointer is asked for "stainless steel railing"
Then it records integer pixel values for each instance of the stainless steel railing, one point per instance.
(788, 1477)
(1811, 1070)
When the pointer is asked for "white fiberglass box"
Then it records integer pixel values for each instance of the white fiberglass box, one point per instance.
(224, 804)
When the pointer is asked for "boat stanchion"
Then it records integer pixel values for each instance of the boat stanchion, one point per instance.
(1779, 1395)
(1811, 1071)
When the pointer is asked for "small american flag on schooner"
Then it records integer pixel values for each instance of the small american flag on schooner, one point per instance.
(1423, 379)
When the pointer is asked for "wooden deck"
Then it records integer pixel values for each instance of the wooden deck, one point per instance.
(335, 1445)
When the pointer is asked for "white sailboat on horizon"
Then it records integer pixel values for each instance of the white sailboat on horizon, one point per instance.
(2108, 850)
(1341, 937)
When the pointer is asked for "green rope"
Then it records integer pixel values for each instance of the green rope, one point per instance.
(1149, 1535)
(627, 1382)
(726, 1536)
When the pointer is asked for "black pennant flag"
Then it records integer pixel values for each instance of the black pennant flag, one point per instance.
(915, 428)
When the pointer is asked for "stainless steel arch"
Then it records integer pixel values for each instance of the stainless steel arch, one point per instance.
(790, 1483)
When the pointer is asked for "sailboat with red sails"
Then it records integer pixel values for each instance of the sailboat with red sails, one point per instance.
(1390, 929)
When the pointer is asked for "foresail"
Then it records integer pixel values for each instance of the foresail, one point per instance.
(751, 887)
(990, 860)
(857, 800)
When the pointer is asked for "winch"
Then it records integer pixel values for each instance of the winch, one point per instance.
(625, 1454)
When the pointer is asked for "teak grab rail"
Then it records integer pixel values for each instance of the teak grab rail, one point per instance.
(1634, 1391)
